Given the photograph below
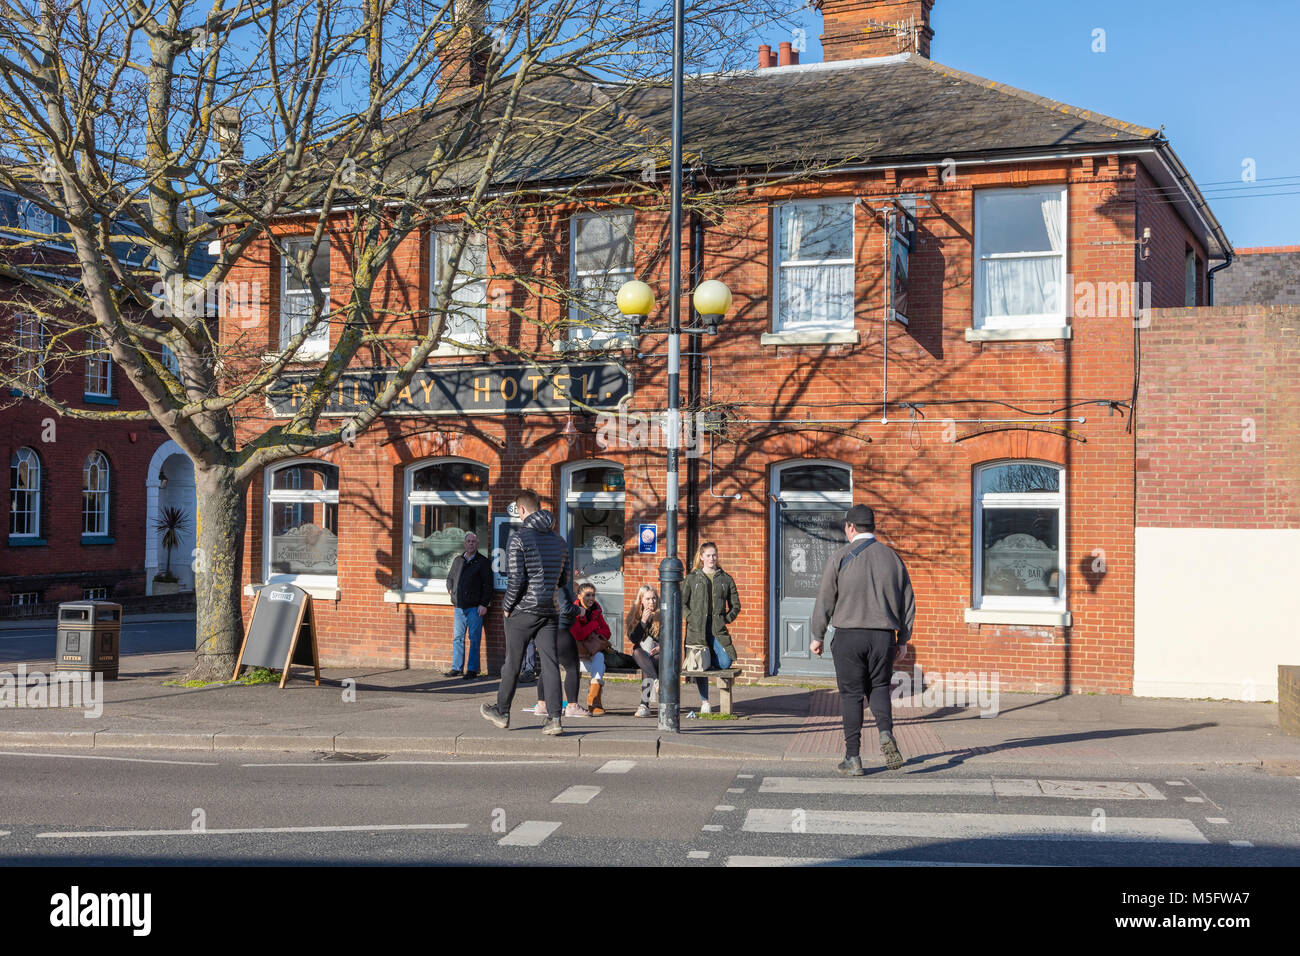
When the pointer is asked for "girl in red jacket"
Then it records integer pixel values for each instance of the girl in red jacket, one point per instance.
(591, 632)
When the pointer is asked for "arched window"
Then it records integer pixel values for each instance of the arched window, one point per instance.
(445, 500)
(302, 524)
(1019, 536)
(24, 494)
(94, 496)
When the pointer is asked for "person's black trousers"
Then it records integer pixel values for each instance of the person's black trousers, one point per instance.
(566, 655)
(522, 627)
(864, 666)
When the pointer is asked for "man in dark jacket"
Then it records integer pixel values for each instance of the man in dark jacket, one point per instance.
(469, 582)
(538, 606)
(866, 594)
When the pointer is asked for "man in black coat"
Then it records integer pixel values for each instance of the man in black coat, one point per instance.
(469, 582)
(538, 606)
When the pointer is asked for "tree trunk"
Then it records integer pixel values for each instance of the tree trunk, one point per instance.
(218, 566)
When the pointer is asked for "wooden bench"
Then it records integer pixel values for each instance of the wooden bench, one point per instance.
(725, 677)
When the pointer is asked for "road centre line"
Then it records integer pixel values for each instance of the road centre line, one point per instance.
(736, 861)
(184, 763)
(916, 785)
(403, 763)
(212, 831)
(529, 833)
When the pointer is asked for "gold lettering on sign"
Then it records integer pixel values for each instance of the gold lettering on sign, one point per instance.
(297, 394)
(482, 386)
(405, 395)
(513, 389)
(426, 386)
(356, 391)
(558, 388)
(535, 379)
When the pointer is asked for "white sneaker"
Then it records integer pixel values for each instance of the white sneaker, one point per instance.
(654, 693)
(642, 711)
(576, 710)
(540, 708)
(705, 708)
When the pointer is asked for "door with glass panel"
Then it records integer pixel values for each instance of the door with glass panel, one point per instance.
(592, 521)
(807, 526)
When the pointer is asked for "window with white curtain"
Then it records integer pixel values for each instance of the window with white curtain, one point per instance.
(1020, 257)
(814, 266)
(297, 306)
(302, 524)
(24, 494)
(99, 367)
(445, 500)
(94, 495)
(600, 262)
(1019, 536)
(467, 309)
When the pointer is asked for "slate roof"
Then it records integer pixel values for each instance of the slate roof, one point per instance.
(1260, 277)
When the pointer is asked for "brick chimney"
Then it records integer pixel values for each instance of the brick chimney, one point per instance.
(857, 29)
(467, 47)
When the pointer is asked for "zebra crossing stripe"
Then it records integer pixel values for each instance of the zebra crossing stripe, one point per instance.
(966, 826)
(529, 833)
(929, 786)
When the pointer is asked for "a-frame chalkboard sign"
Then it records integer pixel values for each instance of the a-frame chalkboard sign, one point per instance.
(281, 631)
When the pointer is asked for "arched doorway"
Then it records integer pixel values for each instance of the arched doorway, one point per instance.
(809, 499)
(592, 521)
(170, 484)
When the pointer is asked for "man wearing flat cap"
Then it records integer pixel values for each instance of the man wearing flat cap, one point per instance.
(866, 595)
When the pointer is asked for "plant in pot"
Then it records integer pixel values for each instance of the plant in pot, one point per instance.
(171, 523)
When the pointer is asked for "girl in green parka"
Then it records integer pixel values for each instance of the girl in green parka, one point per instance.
(710, 602)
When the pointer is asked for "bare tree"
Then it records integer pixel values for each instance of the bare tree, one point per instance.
(164, 140)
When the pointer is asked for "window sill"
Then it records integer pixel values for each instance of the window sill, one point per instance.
(302, 358)
(1024, 333)
(622, 341)
(844, 337)
(98, 539)
(1009, 616)
(98, 399)
(318, 592)
(417, 597)
(448, 350)
(24, 542)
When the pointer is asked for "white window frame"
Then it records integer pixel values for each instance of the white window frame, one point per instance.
(1055, 319)
(32, 218)
(34, 494)
(99, 366)
(292, 496)
(781, 323)
(318, 343)
(412, 499)
(95, 502)
(94, 594)
(24, 598)
(30, 335)
(587, 334)
(999, 602)
(476, 312)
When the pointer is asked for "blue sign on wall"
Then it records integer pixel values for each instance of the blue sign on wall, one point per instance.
(648, 539)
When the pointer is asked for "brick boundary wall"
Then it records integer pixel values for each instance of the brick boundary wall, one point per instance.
(1288, 699)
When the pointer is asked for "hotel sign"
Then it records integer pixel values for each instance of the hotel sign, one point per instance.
(465, 389)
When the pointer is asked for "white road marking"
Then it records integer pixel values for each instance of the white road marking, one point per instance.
(529, 833)
(819, 861)
(1241, 843)
(750, 776)
(4, 833)
(401, 763)
(1216, 819)
(697, 855)
(915, 785)
(1176, 783)
(956, 826)
(1194, 799)
(714, 827)
(723, 808)
(212, 831)
(578, 794)
(616, 766)
(184, 763)
(735, 790)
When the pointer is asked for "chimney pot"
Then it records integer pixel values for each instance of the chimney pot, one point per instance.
(784, 58)
(765, 58)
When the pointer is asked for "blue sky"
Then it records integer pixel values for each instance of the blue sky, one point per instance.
(1223, 78)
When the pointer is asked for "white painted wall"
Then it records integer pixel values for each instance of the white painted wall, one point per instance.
(1215, 611)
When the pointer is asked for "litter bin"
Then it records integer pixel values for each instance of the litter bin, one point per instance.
(89, 637)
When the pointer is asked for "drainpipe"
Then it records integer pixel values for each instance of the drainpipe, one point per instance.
(1209, 278)
(693, 384)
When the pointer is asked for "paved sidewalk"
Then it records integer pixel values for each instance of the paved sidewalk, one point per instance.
(390, 711)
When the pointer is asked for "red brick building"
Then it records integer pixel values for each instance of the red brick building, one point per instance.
(976, 389)
(82, 495)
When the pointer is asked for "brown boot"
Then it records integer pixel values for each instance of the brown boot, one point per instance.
(593, 699)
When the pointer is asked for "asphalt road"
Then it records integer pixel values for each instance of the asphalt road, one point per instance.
(166, 808)
(36, 643)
